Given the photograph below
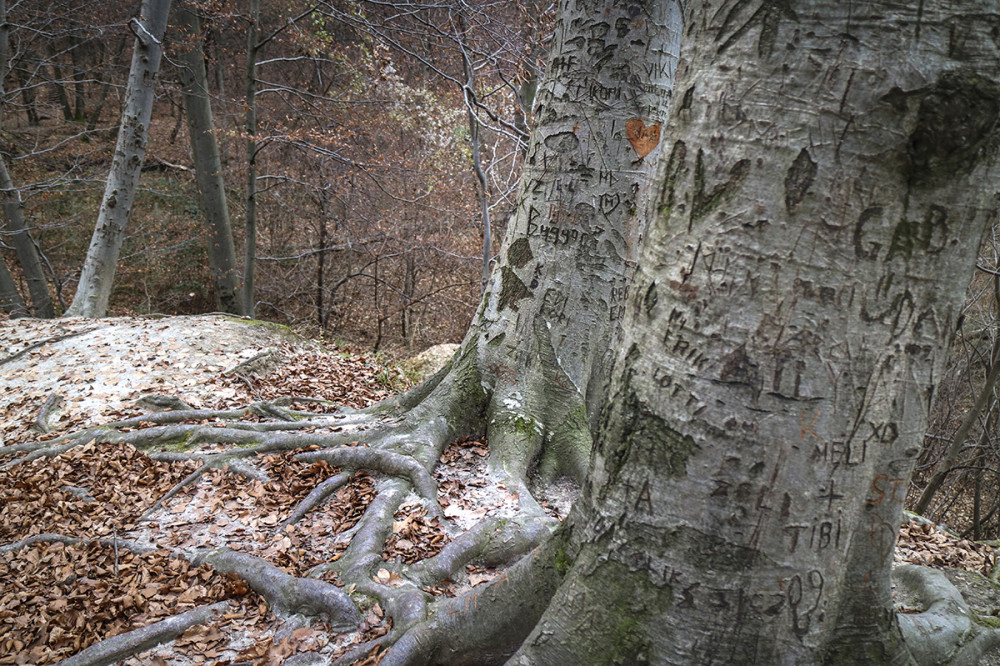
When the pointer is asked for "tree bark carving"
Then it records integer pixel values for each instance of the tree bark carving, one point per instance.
(795, 303)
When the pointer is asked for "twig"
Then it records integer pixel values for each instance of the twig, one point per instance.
(47, 341)
(72, 541)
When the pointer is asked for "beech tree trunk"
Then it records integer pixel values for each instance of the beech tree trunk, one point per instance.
(829, 173)
(534, 369)
(94, 290)
(535, 362)
(208, 166)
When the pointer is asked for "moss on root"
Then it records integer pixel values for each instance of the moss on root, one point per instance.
(562, 562)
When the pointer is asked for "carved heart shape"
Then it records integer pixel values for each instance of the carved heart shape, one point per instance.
(642, 138)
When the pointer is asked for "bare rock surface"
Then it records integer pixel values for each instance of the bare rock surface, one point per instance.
(101, 367)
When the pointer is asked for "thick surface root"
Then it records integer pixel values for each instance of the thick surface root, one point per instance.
(944, 630)
(285, 593)
(486, 625)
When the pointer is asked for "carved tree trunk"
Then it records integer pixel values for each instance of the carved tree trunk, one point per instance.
(208, 166)
(94, 290)
(534, 369)
(536, 359)
(830, 171)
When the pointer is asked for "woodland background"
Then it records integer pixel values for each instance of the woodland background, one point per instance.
(371, 118)
(370, 223)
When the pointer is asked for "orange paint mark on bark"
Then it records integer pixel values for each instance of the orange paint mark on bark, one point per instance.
(642, 138)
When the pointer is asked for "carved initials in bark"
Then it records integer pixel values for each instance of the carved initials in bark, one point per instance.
(642, 138)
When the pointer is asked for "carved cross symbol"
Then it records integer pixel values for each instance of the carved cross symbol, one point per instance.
(830, 496)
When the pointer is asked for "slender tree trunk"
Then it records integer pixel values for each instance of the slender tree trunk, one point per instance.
(94, 290)
(250, 245)
(409, 289)
(208, 166)
(983, 400)
(27, 93)
(483, 190)
(57, 84)
(10, 298)
(830, 172)
(27, 253)
(320, 266)
(379, 318)
(79, 77)
(95, 115)
(219, 74)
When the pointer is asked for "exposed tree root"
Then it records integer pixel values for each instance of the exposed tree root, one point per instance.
(402, 443)
(317, 496)
(487, 624)
(45, 413)
(122, 646)
(386, 462)
(364, 554)
(493, 542)
(72, 541)
(167, 435)
(286, 593)
(945, 631)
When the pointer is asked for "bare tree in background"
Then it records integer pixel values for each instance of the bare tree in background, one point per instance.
(94, 289)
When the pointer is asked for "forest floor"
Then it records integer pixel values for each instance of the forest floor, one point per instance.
(113, 570)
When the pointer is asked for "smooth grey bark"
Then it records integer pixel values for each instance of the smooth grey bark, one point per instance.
(24, 246)
(831, 168)
(208, 165)
(94, 289)
(250, 221)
